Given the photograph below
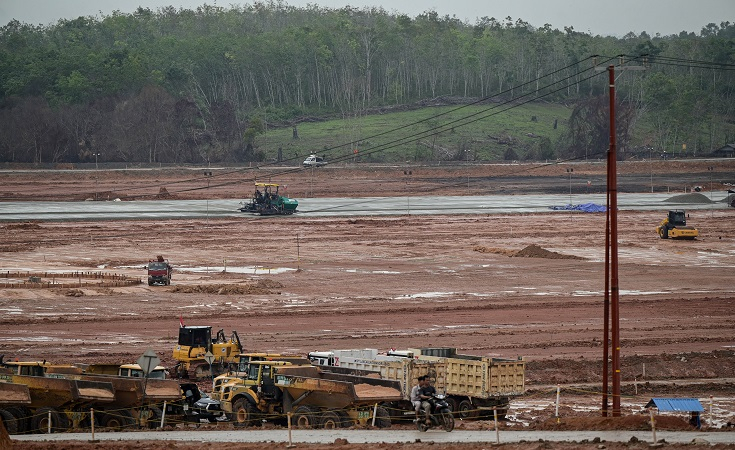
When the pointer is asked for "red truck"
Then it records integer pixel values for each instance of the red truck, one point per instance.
(159, 271)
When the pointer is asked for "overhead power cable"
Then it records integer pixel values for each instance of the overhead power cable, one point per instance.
(377, 135)
(466, 120)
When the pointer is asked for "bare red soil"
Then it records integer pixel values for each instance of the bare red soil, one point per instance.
(516, 285)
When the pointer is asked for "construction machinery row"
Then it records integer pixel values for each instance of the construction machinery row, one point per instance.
(41, 397)
(349, 387)
(326, 389)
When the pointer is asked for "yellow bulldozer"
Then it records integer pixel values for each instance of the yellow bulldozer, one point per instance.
(195, 342)
(674, 226)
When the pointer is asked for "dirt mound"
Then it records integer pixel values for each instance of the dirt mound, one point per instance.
(74, 293)
(261, 287)
(531, 251)
(497, 251)
(534, 251)
(694, 198)
(163, 193)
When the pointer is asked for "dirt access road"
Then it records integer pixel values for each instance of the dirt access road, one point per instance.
(503, 285)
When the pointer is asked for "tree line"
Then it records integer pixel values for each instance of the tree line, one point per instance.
(198, 86)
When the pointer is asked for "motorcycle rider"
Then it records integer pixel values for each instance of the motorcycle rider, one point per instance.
(425, 393)
(415, 395)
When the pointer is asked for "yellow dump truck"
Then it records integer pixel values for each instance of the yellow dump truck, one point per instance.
(239, 375)
(473, 384)
(314, 399)
(59, 404)
(137, 401)
(62, 397)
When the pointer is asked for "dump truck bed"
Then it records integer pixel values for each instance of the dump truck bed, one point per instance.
(451, 373)
(14, 394)
(129, 392)
(59, 392)
(332, 393)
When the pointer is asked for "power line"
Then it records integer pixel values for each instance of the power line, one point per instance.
(511, 103)
(382, 147)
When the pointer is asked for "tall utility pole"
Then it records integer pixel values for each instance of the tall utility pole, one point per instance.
(612, 189)
(612, 285)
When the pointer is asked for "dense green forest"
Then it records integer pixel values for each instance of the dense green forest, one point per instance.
(208, 85)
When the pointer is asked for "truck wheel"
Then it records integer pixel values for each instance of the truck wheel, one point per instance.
(303, 418)
(10, 421)
(118, 419)
(40, 421)
(21, 416)
(382, 418)
(86, 422)
(453, 404)
(330, 420)
(154, 417)
(466, 410)
(242, 413)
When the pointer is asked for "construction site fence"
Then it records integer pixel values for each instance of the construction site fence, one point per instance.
(561, 400)
(45, 280)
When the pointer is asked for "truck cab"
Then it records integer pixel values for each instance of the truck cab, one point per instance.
(159, 271)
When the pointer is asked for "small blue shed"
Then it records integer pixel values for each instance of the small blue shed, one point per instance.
(676, 404)
(688, 405)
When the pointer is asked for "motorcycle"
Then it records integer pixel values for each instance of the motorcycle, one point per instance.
(440, 414)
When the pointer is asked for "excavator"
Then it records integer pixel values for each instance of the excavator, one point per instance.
(195, 342)
(674, 226)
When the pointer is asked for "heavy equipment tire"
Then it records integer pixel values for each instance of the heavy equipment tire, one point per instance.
(303, 418)
(346, 421)
(10, 421)
(21, 416)
(40, 421)
(447, 421)
(86, 422)
(117, 420)
(382, 418)
(453, 405)
(242, 413)
(330, 420)
(466, 410)
(154, 419)
(664, 232)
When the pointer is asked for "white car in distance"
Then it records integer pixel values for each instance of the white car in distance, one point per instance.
(314, 161)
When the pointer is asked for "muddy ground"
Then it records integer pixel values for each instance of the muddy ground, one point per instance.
(516, 285)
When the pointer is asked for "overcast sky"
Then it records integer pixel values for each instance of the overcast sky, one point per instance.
(608, 17)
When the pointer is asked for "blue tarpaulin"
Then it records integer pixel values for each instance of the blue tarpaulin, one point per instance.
(676, 404)
(584, 207)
